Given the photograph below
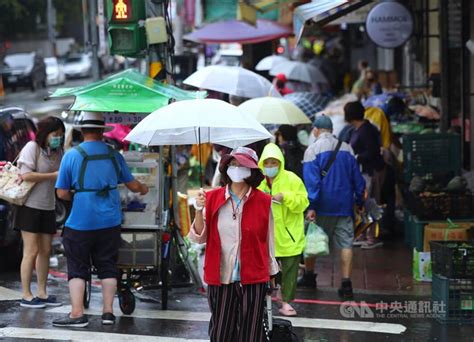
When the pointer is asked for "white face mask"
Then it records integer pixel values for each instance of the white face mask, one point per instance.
(238, 173)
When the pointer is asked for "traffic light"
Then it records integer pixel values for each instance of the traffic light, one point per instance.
(126, 19)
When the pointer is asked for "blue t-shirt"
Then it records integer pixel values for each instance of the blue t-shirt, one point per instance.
(90, 211)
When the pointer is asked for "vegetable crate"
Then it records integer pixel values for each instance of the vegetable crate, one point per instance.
(453, 259)
(431, 154)
(440, 206)
(454, 299)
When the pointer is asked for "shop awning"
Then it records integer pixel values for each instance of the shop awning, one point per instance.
(323, 12)
(235, 31)
(125, 92)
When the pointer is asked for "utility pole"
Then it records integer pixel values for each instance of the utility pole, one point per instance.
(93, 40)
(51, 17)
(85, 23)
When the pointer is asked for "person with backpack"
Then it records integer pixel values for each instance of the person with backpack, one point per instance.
(89, 175)
(334, 183)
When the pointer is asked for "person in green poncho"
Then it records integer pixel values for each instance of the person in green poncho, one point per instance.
(289, 201)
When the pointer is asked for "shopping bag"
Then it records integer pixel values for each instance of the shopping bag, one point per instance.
(12, 188)
(421, 266)
(317, 241)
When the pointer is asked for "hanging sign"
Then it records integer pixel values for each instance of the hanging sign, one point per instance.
(389, 24)
(123, 118)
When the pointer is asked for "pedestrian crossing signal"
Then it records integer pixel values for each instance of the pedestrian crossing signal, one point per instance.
(126, 31)
(121, 9)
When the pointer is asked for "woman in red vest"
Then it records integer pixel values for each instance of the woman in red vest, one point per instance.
(236, 223)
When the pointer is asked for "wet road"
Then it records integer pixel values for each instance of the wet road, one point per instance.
(320, 318)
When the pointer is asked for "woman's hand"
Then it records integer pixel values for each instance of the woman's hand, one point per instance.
(201, 200)
(278, 197)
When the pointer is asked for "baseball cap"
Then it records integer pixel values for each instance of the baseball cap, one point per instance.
(244, 155)
(322, 122)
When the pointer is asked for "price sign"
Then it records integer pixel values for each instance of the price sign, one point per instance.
(123, 118)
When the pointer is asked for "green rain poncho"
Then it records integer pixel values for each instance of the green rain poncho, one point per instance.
(289, 215)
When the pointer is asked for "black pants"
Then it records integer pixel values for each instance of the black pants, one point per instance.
(101, 245)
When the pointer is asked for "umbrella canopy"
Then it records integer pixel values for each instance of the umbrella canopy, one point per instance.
(127, 92)
(299, 71)
(309, 103)
(198, 121)
(232, 80)
(235, 31)
(270, 110)
(269, 62)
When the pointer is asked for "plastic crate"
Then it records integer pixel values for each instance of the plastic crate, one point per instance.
(441, 206)
(453, 259)
(414, 231)
(456, 297)
(431, 154)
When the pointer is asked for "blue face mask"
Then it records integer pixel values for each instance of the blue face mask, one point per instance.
(55, 142)
(271, 171)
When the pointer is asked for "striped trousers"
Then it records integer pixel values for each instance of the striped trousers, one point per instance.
(237, 312)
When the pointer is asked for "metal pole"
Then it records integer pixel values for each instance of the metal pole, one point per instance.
(94, 45)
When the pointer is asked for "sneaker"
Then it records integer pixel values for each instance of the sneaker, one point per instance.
(108, 318)
(35, 303)
(372, 245)
(50, 301)
(68, 322)
(358, 243)
(308, 280)
(345, 291)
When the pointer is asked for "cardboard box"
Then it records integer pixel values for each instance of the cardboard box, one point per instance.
(443, 233)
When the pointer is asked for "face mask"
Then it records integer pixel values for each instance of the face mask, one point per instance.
(237, 173)
(271, 171)
(55, 142)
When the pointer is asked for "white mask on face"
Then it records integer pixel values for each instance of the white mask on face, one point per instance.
(238, 173)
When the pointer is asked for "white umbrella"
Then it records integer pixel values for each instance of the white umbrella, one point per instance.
(269, 62)
(232, 80)
(299, 71)
(270, 110)
(198, 121)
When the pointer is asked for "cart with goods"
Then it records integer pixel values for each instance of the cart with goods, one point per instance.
(151, 239)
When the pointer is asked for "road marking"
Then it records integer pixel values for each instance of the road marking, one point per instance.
(314, 323)
(7, 294)
(75, 335)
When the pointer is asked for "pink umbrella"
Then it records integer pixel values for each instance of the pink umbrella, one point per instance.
(235, 31)
(119, 133)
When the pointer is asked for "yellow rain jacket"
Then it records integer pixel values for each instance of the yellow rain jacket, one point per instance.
(377, 117)
(289, 215)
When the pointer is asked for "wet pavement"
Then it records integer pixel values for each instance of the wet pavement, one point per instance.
(321, 317)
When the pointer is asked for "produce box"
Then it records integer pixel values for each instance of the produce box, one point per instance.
(453, 299)
(443, 232)
(453, 259)
(442, 205)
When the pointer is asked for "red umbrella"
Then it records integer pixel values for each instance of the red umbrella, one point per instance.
(235, 31)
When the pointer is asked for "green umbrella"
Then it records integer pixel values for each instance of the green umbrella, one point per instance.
(126, 92)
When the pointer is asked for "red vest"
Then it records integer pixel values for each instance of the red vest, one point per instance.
(254, 255)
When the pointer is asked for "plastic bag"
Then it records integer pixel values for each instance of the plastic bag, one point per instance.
(421, 265)
(317, 241)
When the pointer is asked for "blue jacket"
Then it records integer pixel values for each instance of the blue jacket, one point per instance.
(336, 193)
